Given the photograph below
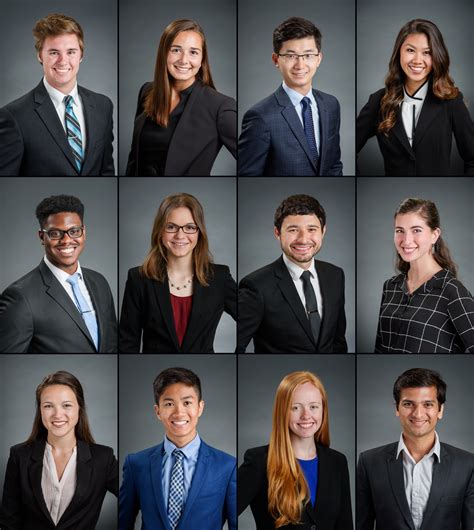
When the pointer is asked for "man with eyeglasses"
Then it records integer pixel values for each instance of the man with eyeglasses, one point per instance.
(59, 307)
(294, 131)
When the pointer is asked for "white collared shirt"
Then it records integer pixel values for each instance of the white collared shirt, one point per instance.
(57, 97)
(411, 107)
(295, 273)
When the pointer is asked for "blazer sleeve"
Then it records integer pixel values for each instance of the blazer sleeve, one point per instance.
(344, 521)
(108, 169)
(230, 300)
(131, 318)
(340, 344)
(336, 167)
(254, 145)
(112, 474)
(251, 311)
(467, 521)
(251, 478)
(132, 157)
(378, 341)
(227, 125)
(12, 503)
(367, 121)
(16, 322)
(461, 313)
(231, 501)
(364, 505)
(11, 145)
(129, 503)
(463, 129)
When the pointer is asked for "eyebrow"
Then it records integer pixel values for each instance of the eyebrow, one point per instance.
(300, 226)
(413, 46)
(424, 401)
(51, 403)
(180, 47)
(57, 49)
(310, 50)
(411, 227)
(310, 403)
(171, 399)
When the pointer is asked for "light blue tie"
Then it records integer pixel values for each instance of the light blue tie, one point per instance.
(309, 128)
(176, 495)
(83, 307)
(73, 130)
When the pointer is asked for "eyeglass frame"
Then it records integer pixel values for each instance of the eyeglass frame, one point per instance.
(63, 232)
(298, 55)
(181, 228)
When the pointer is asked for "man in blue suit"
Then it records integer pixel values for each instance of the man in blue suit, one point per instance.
(182, 483)
(295, 131)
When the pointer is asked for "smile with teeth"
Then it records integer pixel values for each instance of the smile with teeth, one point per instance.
(416, 69)
(409, 250)
(180, 423)
(183, 69)
(59, 423)
(306, 425)
(66, 251)
(302, 248)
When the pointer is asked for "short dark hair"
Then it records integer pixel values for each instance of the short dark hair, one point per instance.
(170, 376)
(418, 377)
(295, 28)
(57, 204)
(299, 205)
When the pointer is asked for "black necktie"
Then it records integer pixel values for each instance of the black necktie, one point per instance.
(311, 305)
(308, 126)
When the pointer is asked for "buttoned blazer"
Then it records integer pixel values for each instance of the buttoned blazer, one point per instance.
(147, 313)
(273, 142)
(271, 312)
(38, 316)
(381, 497)
(34, 142)
(332, 509)
(208, 122)
(23, 502)
(431, 150)
(211, 499)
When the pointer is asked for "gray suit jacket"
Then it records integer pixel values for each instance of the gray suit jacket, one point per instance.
(38, 316)
(381, 494)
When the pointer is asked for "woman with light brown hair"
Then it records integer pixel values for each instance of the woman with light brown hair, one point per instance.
(297, 481)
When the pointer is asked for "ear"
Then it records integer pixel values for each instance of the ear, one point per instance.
(156, 408)
(441, 411)
(323, 233)
(201, 408)
(39, 58)
(41, 236)
(275, 59)
(320, 58)
(436, 234)
(276, 233)
(396, 411)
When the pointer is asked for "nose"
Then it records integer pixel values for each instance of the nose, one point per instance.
(418, 411)
(305, 413)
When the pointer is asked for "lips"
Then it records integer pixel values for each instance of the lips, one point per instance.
(59, 423)
(66, 251)
(180, 423)
(182, 69)
(302, 248)
(416, 69)
(306, 425)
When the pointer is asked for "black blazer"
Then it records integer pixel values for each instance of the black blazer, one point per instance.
(38, 316)
(209, 120)
(34, 142)
(431, 150)
(23, 502)
(271, 312)
(381, 496)
(332, 509)
(147, 308)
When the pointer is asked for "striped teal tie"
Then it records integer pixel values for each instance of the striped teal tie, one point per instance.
(73, 130)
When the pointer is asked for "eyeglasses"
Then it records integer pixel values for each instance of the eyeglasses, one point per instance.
(55, 233)
(293, 57)
(171, 228)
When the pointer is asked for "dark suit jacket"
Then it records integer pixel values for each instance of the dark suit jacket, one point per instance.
(273, 141)
(271, 312)
(23, 501)
(147, 308)
(209, 120)
(431, 150)
(38, 316)
(332, 509)
(34, 143)
(381, 494)
(211, 498)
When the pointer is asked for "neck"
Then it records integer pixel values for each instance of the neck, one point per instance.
(423, 268)
(304, 448)
(181, 442)
(412, 86)
(64, 444)
(419, 447)
(179, 86)
(180, 267)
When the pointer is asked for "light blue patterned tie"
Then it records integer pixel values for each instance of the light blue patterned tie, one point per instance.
(309, 128)
(83, 307)
(73, 130)
(176, 496)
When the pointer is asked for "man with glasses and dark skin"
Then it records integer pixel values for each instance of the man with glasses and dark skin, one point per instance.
(295, 131)
(59, 307)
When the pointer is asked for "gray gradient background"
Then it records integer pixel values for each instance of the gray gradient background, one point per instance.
(139, 426)
(19, 377)
(258, 77)
(141, 24)
(22, 249)
(139, 202)
(257, 394)
(377, 200)
(21, 70)
(258, 200)
(378, 24)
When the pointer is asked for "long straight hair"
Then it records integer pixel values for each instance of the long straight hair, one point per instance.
(287, 487)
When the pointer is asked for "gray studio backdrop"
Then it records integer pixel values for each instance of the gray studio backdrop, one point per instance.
(22, 251)
(258, 77)
(257, 394)
(21, 70)
(19, 377)
(139, 426)
(376, 421)
(141, 24)
(377, 200)
(258, 200)
(378, 24)
(139, 202)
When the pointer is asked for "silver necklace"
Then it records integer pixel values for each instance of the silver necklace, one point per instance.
(178, 288)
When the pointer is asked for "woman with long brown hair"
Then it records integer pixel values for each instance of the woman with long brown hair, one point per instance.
(425, 308)
(181, 121)
(58, 478)
(420, 109)
(173, 302)
(297, 481)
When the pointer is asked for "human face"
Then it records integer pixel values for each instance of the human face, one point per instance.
(419, 412)
(413, 238)
(415, 60)
(59, 411)
(61, 57)
(179, 410)
(301, 237)
(179, 244)
(298, 75)
(185, 58)
(306, 412)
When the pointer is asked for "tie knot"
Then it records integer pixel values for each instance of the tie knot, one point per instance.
(306, 102)
(306, 276)
(73, 279)
(178, 455)
(68, 101)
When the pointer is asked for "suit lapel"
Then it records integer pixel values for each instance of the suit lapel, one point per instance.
(35, 472)
(163, 297)
(89, 109)
(429, 111)
(328, 303)
(156, 464)
(99, 314)
(195, 323)
(324, 493)
(400, 133)
(323, 129)
(395, 474)
(439, 480)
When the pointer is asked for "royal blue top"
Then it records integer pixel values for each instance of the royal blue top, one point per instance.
(310, 470)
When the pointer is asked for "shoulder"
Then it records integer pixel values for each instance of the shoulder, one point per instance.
(452, 287)
(21, 450)
(262, 274)
(257, 453)
(143, 456)
(215, 98)
(134, 274)
(326, 99)
(222, 457)
(331, 455)
(376, 97)
(220, 271)
(394, 281)
(94, 275)
(328, 268)
(101, 451)
(21, 103)
(145, 88)
(99, 99)
(465, 458)
(23, 284)
(264, 106)
(379, 453)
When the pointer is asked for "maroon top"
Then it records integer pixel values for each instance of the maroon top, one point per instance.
(181, 310)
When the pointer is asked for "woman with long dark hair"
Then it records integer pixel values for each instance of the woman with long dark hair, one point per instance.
(425, 308)
(181, 121)
(420, 109)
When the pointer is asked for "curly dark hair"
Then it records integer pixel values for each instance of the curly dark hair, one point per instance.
(299, 205)
(57, 204)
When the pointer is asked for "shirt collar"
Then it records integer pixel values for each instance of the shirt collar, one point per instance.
(58, 97)
(295, 270)
(296, 97)
(59, 273)
(190, 451)
(435, 450)
(419, 95)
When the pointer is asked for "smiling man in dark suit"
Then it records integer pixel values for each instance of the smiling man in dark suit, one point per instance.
(58, 128)
(295, 304)
(295, 131)
(59, 307)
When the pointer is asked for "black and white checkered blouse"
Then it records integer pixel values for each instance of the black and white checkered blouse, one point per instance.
(437, 318)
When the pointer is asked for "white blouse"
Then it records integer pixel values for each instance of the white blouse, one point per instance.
(411, 108)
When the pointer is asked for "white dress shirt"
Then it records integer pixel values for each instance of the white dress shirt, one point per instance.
(411, 108)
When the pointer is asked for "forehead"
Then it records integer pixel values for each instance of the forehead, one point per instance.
(301, 220)
(58, 392)
(65, 41)
(190, 39)
(306, 44)
(307, 392)
(181, 214)
(63, 219)
(410, 219)
(422, 393)
(420, 40)
(178, 391)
